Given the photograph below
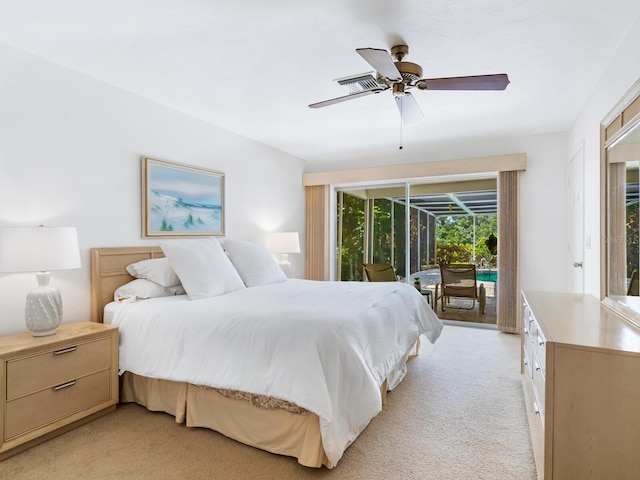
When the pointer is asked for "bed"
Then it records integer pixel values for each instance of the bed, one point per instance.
(290, 367)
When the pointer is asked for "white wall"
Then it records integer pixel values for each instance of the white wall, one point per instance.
(70, 150)
(543, 215)
(620, 76)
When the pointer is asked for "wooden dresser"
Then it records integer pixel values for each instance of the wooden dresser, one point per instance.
(581, 378)
(51, 384)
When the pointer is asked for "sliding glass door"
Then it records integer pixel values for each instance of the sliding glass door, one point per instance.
(415, 227)
(351, 236)
(400, 237)
(372, 228)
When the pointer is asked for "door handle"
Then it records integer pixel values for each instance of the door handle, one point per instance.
(577, 264)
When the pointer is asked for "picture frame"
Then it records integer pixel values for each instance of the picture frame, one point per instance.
(181, 200)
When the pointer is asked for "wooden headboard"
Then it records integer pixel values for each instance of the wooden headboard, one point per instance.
(108, 272)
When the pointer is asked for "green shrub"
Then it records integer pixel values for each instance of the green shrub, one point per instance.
(455, 253)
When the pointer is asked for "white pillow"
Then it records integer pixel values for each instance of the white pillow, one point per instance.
(157, 270)
(254, 263)
(202, 266)
(141, 288)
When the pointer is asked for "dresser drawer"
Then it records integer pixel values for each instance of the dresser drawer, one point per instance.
(539, 386)
(536, 423)
(527, 345)
(30, 374)
(539, 345)
(528, 324)
(46, 406)
(527, 348)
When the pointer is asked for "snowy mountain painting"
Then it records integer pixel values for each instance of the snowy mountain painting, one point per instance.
(183, 200)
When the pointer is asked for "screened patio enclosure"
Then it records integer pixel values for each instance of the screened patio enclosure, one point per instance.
(399, 225)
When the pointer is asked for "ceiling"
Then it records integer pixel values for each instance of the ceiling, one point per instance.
(254, 66)
(462, 196)
(458, 204)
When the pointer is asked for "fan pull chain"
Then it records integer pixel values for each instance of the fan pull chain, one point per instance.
(400, 148)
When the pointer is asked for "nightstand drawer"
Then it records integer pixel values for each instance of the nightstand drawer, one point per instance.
(46, 369)
(53, 383)
(46, 406)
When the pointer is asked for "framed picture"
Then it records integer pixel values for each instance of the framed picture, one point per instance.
(181, 200)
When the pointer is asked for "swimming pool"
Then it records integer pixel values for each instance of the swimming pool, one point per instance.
(487, 275)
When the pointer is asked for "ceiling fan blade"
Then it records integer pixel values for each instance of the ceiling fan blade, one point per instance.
(333, 101)
(409, 109)
(477, 82)
(381, 61)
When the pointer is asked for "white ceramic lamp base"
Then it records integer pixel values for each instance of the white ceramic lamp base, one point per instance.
(286, 266)
(43, 310)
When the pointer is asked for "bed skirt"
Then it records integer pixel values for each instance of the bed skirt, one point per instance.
(274, 430)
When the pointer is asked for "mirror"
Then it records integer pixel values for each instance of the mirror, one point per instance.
(623, 223)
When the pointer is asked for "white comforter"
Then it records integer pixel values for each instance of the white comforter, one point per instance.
(325, 346)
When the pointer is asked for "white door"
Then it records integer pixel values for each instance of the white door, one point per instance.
(575, 200)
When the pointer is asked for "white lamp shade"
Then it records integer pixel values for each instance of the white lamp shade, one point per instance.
(284, 242)
(38, 249)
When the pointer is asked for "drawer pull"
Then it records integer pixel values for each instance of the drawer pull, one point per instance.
(65, 350)
(64, 385)
(536, 365)
(536, 409)
(540, 341)
(526, 330)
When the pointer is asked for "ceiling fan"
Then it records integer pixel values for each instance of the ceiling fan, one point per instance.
(401, 76)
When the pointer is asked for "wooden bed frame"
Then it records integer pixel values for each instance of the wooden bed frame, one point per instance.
(274, 430)
(109, 271)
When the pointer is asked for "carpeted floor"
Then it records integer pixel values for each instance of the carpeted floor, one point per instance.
(459, 414)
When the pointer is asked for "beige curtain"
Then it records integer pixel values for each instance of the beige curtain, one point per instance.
(318, 240)
(617, 234)
(508, 286)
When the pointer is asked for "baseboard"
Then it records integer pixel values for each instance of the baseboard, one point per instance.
(457, 323)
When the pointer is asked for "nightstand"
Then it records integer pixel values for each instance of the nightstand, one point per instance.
(52, 384)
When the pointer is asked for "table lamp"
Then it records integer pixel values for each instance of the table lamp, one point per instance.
(40, 249)
(285, 243)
